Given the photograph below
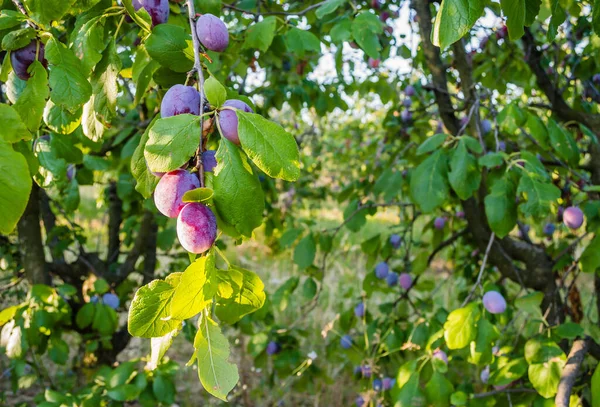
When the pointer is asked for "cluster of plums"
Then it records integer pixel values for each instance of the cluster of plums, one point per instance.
(382, 272)
(108, 299)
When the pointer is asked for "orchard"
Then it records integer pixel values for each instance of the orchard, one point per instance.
(299, 203)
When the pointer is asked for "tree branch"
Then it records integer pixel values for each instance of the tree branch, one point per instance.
(136, 251)
(569, 373)
(115, 218)
(30, 241)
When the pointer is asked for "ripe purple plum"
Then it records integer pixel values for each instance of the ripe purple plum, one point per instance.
(196, 227)
(464, 121)
(441, 355)
(388, 383)
(374, 63)
(273, 348)
(460, 214)
(439, 223)
(209, 160)
(502, 146)
(494, 302)
(573, 217)
(359, 310)
(71, 171)
(158, 9)
(407, 102)
(111, 300)
(395, 241)
(22, 58)
(212, 32)
(366, 371)
(180, 99)
(392, 279)
(486, 126)
(485, 374)
(549, 229)
(410, 91)
(359, 401)
(377, 384)
(228, 121)
(405, 281)
(170, 190)
(596, 79)
(346, 341)
(381, 270)
(406, 115)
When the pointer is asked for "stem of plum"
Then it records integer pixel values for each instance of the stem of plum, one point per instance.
(198, 69)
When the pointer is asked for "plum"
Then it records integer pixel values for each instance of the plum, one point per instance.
(359, 310)
(374, 63)
(441, 355)
(485, 374)
(366, 371)
(392, 279)
(501, 146)
(111, 300)
(384, 16)
(410, 91)
(209, 161)
(94, 299)
(486, 126)
(158, 9)
(22, 58)
(273, 348)
(381, 270)
(596, 79)
(170, 189)
(196, 227)
(406, 115)
(549, 229)
(346, 341)
(212, 32)
(228, 121)
(388, 383)
(180, 99)
(405, 281)
(359, 401)
(460, 214)
(573, 217)
(439, 223)
(494, 302)
(71, 170)
(407, 102)
(464, 121)
(377, 384)
(395, 241)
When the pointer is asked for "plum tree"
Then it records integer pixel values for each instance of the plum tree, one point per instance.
(158, 9)
(439, 223)
(494, 302)
(212, 33)
(381, 270)
(346, 341)
(395, 241)
(22, 58)
(168, 196)
(392, 279)
(359, 310)
(441, 355)
(273, 348)
(196, 227)
(111, 300)
(405, 281)
(209, 160)
(573, 217)
(228, 121)
(180, 99)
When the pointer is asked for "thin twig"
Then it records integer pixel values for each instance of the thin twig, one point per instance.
(478, 282)
(274, 13)
(494, 392)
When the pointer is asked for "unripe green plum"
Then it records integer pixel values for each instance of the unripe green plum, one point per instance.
(170, 190)
(196, 227)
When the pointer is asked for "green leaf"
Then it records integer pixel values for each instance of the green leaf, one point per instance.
(32, 99)
(149, 315)
(563, 143)
(354, 219)
(366, 28)
(545, 377)
(104, 84)
(61, 120)
(530, 303)
(341, 32)
(158, 348)
(10, 19)
(514, 10)
(248, 295)
(509, 372)
(269, 146)
(215, 92)
(88, 42)
(532, 10)
(409, 391)
(590, 258)
(329, 7)
(140, 17)
(540, 196)
(44, 11)
(461, 326)
(501, 208)
(536, 127)
(511, 118)
(198, 195)
(541, 350)
(464, 175)
(596, 26)
(299, 42)
(239, 198)
(7, 314)
(18, 39)
(438, 390)
(124, 392)
(70, 87)
(454, 19)
(217, 374)
(569, 330)
(305, 251)
(260, 35)
(85, 315)
(432, 143)
(13, 129)
(195, 290)
(481, 348)
(171, 46)
(595, 385)
(171, 142)
(146, 181)
(558, 17)
(15, 186)
(428, 183)
(491, 160)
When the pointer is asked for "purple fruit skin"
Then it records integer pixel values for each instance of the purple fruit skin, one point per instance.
(273, 348)
(359, 310)
(460, 214)
(395, 241)
(381, 270)
(596, 78)
(170, 190)
(212, 32)
(346, 341)
(158, 9)
(549, 229)
(392, 279)
(71, 172)
(486, 126)
(94, 299)
(441, 355)
(180, 99)
(111, 300)
(501, 146)
(366, 371)
(209, 161)
(360, 402)
(494, 302)
(410, 91)
(377, 384)
(405, 281)
(22, 58)
(406, 115)
(573, 217)
(228, 120)
(196, 228)
(439, 223)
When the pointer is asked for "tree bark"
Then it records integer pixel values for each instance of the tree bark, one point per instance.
(30, 241)
(115, 217)
(569, 373)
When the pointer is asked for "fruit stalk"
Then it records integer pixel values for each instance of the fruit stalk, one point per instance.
(198, 69)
